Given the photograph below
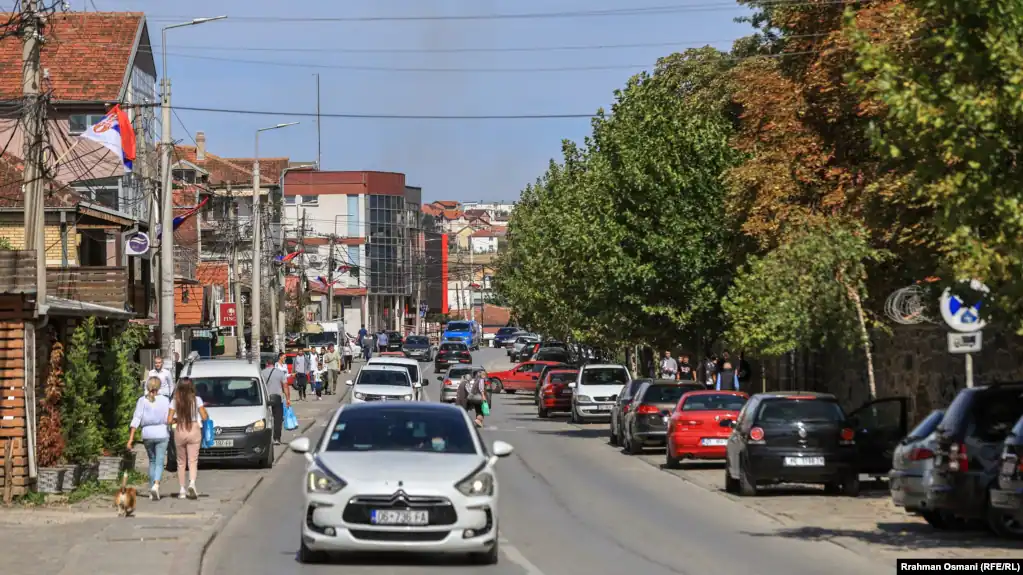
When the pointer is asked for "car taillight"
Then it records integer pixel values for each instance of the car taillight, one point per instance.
(957, 458)
(756, 434)
(447, 383)
(647, 410)
(848, 434)
(625, 408)
(920, 454)
(548, 388)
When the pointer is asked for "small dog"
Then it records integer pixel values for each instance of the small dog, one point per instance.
(125, 498)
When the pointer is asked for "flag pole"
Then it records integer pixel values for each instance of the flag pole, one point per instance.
(66, 152)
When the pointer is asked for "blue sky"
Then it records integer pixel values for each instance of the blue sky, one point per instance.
(463, 159)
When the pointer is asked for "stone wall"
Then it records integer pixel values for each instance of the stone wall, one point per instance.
(911, 361)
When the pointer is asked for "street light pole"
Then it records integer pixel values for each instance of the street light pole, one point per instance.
(257, 283)
(167, 201)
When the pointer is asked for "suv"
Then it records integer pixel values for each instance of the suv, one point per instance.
(381, 383)
(395, 341)
(595, 391)
(806, 437)
(506, 336)
(1007, 496)
(969, 443)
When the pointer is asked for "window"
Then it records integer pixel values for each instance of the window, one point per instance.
(309, 200)
(453, 347)
(605, 376)
(792, 410)
(413, 371)
(383, 377)
(78, 123)
(186, 176)
(290, 200)
(353, 256)
(403, 428)
(715, 402)
(353, 217)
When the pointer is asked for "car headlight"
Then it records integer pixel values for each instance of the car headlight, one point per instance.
(257, 426)
(584, 399)
(319, 481)
(360, 395)
(407, 397)
(479, 484)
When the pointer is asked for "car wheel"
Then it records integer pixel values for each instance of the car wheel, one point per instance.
(612, 435)
(747, 486)
(670, 461)
(542, 413)
(731, 484)
(851, 485)
(268, 461)
(1003, 524)
(489, 557)
(308, 556)
(496, 385)
(632, 447)
(935, 519)
(574, 417)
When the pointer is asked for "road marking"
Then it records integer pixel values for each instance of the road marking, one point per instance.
(515, 556)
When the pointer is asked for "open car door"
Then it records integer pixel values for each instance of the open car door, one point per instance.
(879, 426)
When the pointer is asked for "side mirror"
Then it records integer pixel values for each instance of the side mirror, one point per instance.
(425, 382)
(502, 449)
(440, 378)
(300, 445)
(417, 384)
(349, 382)
(571, 385)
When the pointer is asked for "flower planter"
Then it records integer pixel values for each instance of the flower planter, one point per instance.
(50, 480)
(89, 473)
(72, 475)
(109, 468)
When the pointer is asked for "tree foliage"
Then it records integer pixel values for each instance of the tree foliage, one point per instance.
(81, 398)
(121, 386)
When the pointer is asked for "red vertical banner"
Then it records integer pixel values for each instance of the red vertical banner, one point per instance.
(228, 315)
(444, 273)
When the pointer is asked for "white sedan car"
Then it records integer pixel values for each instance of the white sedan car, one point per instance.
(397, 476)
(376, 382)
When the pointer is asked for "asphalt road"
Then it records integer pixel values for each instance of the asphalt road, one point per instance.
(569, 505)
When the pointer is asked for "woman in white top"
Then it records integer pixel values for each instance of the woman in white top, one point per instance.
(151, 412)
(187, 414)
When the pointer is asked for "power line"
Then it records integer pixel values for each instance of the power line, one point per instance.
(381, 116)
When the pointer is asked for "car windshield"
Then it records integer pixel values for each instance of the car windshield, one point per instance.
(417, 340)
(457, 372)
(714, 402)
(507, 330)
(458, 326)
(401, 429)
(927, 426)
(413, 371)
(393, 335)
(790, 410)
(563, 377)
(383, 377)
(228, 391)
(453, 347)
(663, 394)
(605, 376)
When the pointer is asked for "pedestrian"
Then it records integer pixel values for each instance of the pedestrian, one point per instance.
(186, 415)
(347, 355)
(161, 372)
(471, 395)
(709, 370)
(275, 377)
(368, 343)
(745, 372)
(151, 414)
(178, 366)
(332, 364)
(727, 378)
(300, 374)
(725, 357)
(313, 373)
(362, 332)
(685, 370)
(382, 341)
(669, 367)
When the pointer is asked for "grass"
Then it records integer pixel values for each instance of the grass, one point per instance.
(84, 491)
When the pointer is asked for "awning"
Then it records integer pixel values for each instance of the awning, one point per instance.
(60, 307)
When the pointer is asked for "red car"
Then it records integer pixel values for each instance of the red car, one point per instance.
(555, 394)
(522, 377)
(698, 428)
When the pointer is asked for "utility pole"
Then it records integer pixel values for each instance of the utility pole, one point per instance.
(472, 278)
(419, 295)
(239, 331)
(257, 256)
(319, 154)
(273, 308)
(330, 279)
(35, 133)
(301, 276)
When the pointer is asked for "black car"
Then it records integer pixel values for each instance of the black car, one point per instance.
(971, 442)
(451, 353)
(645, 422)
(417, 347)
(806, 437)
(394, 341)
(506, 336)
(1007, 496)
(553, 354)
(527, 352)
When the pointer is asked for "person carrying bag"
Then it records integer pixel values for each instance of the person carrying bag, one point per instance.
(472, 396)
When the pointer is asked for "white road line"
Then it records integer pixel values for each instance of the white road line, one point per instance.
(515, 556)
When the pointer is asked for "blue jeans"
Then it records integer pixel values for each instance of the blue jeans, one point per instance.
(156, 450)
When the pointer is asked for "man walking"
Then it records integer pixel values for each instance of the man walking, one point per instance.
(276, 379)
(669, 367)
(368, 343)
(162, 373)
(301, 373)
(382, 341)
(331, 361)
(311, 368)
(685, 370)
(727, 378)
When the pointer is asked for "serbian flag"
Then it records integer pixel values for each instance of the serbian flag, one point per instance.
(324, 281)
(184, 217)
(114, 132)
(288, 258)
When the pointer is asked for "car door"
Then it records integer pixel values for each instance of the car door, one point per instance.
(521, 375)
(879, 426)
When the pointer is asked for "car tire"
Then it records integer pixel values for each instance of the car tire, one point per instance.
(670, 461)
(998, 522)
(747, 487)
(731, 484)
(936, 519)
(309, 557)
(573, 416)
(489, 557)
(496, 385)
(631, 448)
(508, 391)
(851, 485)
(612, 435)
(268, 461)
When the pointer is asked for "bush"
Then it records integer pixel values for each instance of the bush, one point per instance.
(50, 438)
(81, 399)
(121, 375)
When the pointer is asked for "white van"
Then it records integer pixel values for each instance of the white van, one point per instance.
(595, 391)
(381, 383)
(414, 373)
(236, 399)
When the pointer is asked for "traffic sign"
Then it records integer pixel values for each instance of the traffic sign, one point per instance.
(959, 315)
(964, 342)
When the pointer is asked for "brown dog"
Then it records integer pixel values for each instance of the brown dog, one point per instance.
(125, 498)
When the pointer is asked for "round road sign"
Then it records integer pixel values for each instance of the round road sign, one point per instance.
(959, 315)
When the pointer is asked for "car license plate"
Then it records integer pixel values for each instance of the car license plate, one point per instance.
(718, 443)
(391, 517)
(223, 443)
(804, 462)
(1008, 468)
(603, 408)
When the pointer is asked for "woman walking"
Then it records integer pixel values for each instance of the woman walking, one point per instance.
(187, 414)
(346, 355)
(472, 393)
(151, 414)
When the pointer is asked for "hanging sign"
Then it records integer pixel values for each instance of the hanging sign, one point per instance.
(962, 316)
(228, 315)
(137, 245)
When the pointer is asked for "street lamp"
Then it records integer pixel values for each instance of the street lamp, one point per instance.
(257, 284)
(167, 207)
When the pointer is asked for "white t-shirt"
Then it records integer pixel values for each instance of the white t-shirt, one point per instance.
(197, 416)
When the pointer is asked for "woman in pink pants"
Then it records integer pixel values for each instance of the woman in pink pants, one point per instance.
(187, 414)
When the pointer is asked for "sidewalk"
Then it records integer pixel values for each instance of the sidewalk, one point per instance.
(165, 537)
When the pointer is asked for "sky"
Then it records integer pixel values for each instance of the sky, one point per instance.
(266, 54)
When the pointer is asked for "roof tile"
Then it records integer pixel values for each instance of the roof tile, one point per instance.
(233, 170)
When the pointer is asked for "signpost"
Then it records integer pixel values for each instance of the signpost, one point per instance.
(964, 319)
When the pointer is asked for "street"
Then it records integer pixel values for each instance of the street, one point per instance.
(569, 505)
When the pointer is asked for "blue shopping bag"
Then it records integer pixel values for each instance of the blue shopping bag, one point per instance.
(290, 421)
(207, 434)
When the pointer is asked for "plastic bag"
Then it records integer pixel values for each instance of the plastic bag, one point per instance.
(208, 434)
(486, 408)
(290, 421)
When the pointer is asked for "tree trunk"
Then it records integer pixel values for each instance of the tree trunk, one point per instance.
(854, 295)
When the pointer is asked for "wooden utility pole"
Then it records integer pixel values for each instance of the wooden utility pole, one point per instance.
(301, 275)
(34, 118)
(330, 279)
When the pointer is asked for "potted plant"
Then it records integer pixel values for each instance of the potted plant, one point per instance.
(121, 376)
(83, 441)
(49, 436)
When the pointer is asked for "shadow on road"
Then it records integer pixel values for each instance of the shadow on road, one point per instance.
(589, 433)
(906, 535)
(393, 559)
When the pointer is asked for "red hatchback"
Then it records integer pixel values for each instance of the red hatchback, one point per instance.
(555, 395)
(700, 425)
(522, 377)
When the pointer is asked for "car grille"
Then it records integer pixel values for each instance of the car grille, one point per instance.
(221, 452)
(603, 399)
(371, 397)
(359, 508)
(239, 429)
(414, 536)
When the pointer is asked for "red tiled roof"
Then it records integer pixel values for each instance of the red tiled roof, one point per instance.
(234, 170)
(452, 214)
(476, 214)
(432, 210)
(86, 54)
(12, 196)
(446, 204)
(491, 233)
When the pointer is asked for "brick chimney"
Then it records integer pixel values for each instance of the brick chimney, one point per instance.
(200, 146)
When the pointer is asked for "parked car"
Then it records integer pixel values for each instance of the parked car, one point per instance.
(969, 447)
(527, 352)
(547, 368)
(450, 381)
(418, 347)
(522, 377)
(506, 336)
(646, 422)
(520, 342)
(555, 395)
(596, 389)
(395, 341)
(349, 501)
(557, 354)
(1007, 495)
(806, 437)
(451, 353)
(700, 425)
(911, 465)
(621, 407)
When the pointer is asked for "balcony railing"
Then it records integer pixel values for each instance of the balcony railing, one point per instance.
(100, 285)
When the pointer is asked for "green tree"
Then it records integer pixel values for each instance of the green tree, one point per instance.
(81, 397)
(952, 86)
(122, 377)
